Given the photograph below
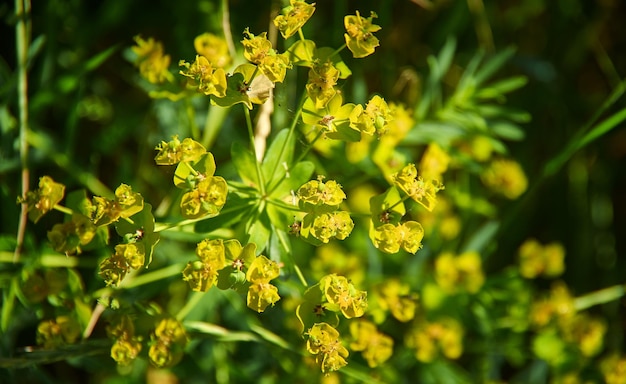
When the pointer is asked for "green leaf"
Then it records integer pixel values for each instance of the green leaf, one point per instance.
(492, 65)
(502, 87)
(293, 179)
(301, 52)
(8, 303)
(507, 131)
(245, 163)
(428, 131)
(234, 210)
(259, 232)
(100, 58)
(279, 153)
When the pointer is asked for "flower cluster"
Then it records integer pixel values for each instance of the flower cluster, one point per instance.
(125, 204)
(127, 345)
(505, 177)
(153, 64)
(261, 293)
(258, 50)
(168, 343)
(205, 193)
(423, 191)
(42, 200)
(57, 332)
(375, 346)
(202, 274)
(68, 237)
(341, 295)
(394, 297)
(459, 273)
(204, 77)
(113, 269)
(293, 17)
(536, 259)
(323, 220)
(359, 34)
(323, 342)
(430, 339)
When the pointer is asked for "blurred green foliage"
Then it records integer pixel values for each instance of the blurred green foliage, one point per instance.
(94, 127)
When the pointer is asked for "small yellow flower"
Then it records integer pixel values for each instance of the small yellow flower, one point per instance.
(463, 272)
(434, 162)
(505, 177)
(422, 191)
(375, 346)
(320, 87)
(214, 48)
(359, 37)
(430, 339)
(536, 260)
(293, 17)
(153, 64)
(374, 118)
(43, 200)
(323, 342)
(205, 77)
(255, 48)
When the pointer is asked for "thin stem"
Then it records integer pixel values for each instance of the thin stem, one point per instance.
(310, 146)
(602, 296)
(63, 209)
(336, 52)
(191, 303)
(22, 41)
(300, 275)
(259, 173)
(228, 36)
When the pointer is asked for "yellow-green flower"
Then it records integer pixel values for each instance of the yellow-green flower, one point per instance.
(168, 343)
(342, 295)
(359, 37)
(536, 259)
(293, 17)
(255, 48)
(422, 191)
(202, 274)
(43, 200)
(430, 339)
(320, 88)
(323, 342)
(153, 64)
(389, 238)
(275, 66)
(207, 198)
(57, 332)
(333, 119)
(175, 151)
(505, 177)
(463, 272)
(317, 192)
(374, 118)
(376, 347)
(205, 77)
(214, 48)
(396, 297)
(434, 162)
(261, 293)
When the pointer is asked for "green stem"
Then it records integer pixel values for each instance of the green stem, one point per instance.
(53, 260)
(22, 41)
(282, 204)
(259, 173)
(191, 116)
(602, 296)
(300, 275)
(63, 209)
(336, 52)
(191, 303)
(310, 145)
(213, 124)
